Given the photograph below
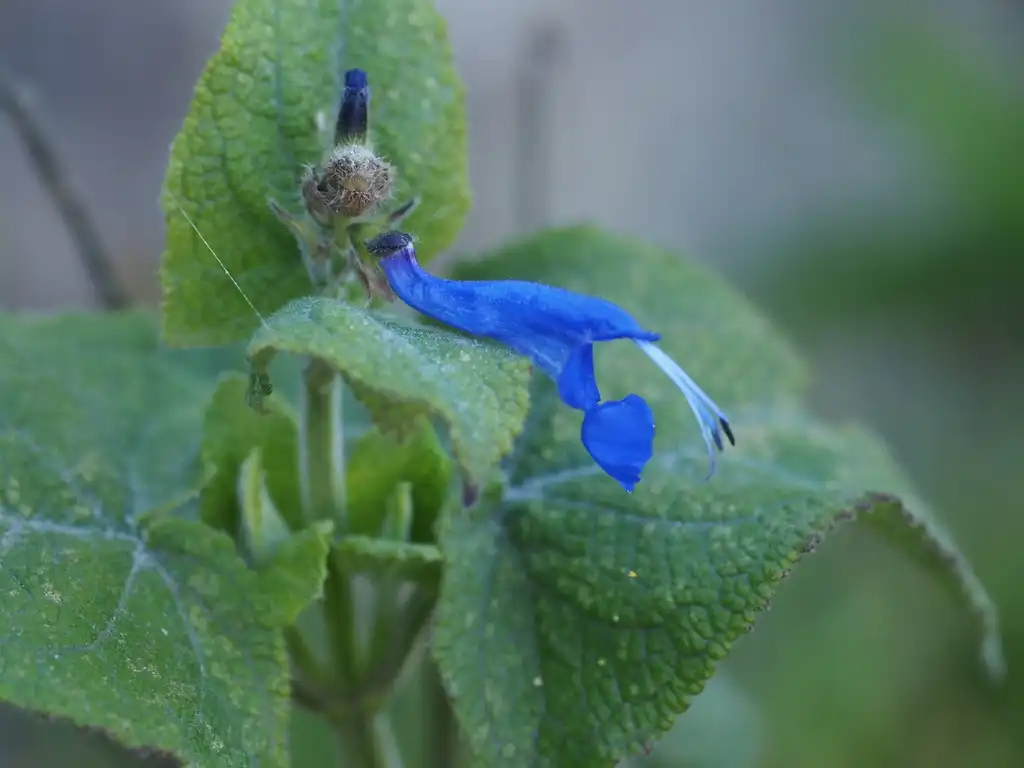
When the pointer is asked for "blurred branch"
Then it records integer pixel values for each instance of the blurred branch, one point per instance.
(535, 102)
(53, 175)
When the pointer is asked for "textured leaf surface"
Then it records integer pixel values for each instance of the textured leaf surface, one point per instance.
(478, 389)
(386, 557)
(115, 611)
(577, 620)
(252, 126)
(230, 432)
(296, 573)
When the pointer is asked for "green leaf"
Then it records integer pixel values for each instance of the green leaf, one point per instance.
(576, 621)
(121, 611)
(252, 127)
(296, 572)
(231, 431)
(377, 463)
(398, 559)
(478, 389)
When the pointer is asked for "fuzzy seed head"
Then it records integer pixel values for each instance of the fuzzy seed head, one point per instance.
(352, 183)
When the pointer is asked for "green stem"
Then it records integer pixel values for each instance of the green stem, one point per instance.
(323, 463)
(303, 658)
(388, 587)
(339, 614)
(323, 448)
(323, 492)
(442, 732)
(361, 742)
(324, 496)
(389, 655)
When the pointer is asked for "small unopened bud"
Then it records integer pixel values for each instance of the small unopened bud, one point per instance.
(263, 529)
(354, 113)
(353, 182)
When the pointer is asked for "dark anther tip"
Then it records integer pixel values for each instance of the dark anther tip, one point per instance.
(388, 242)
(728, 431)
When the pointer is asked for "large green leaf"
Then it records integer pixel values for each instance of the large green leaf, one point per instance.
(576, 621)
(401, 371)
(252, 127)
(120, 610)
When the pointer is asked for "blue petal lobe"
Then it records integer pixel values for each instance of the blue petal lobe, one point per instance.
(619, 435)
(577, 385)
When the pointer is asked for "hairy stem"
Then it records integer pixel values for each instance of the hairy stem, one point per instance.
(323, 463)
(324, 497)
(323, 447)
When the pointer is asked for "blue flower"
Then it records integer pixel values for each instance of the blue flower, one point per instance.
(556, 329)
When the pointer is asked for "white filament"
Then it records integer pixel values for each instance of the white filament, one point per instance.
(223, 266)
(696, 397)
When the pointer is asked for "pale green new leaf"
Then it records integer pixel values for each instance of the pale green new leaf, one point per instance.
(296, 572)
(261, 530)
(576, 620)
(230, 432)
(252, 126)
(119, 610)
(378, 462)
(478, 389)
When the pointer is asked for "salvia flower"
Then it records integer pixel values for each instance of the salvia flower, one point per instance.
(556, 329)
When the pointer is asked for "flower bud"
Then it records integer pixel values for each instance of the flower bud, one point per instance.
(354, 113)
(352, 183)
(263, 529)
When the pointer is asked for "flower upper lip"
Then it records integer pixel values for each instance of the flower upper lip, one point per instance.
(387, 243)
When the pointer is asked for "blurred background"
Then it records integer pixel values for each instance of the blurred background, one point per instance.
(856, 167)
